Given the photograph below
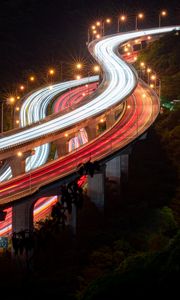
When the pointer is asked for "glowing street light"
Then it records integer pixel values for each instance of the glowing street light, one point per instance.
(122, 19)
(142, 64)
(107, 21)
(96, 68)
(163, 13)
(31, 78)
(153, 77)
(51, 72)
(11, 100)
(79, 66)
(139, 16)
(78, 77)
(148, 72)
(19, 154)
(22, 87)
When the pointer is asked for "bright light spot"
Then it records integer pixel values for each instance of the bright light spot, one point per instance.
(66, 134)
(19, 154)
(96, 68)
(128, 106)
(153, 77)
(32, 78)
(123, 18)
(140, 16)
(17, 108)
(98, 23)
(11, 99)
(144, 95)
(50, 87)
(51, 71)
(78, 77)
(22, 87)
(108, 20)
(163, 13)
(17, 121)
(79, 66)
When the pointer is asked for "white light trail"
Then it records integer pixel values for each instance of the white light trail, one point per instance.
(119, 82)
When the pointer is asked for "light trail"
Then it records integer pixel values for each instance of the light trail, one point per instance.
(118, 83)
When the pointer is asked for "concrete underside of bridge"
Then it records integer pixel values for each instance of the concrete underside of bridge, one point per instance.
(113, 169)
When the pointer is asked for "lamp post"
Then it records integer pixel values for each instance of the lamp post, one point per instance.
(122, 19)
(11, 102)
(2, 115)
(139, 16)
(163, 13)
(148, 72)
(107, 21)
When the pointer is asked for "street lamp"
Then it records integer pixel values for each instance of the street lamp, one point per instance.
(163, 13)
(96, 68)
(122, 19)
(2, 116)
(22, 87)
(79, 66)
(148, 72)
(107, 21)
(51, 72)
(139, 16)
(78, 77)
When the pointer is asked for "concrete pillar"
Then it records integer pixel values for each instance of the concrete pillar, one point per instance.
(22, 215)
(96, 189)
(73, 219)
(143, 137)
(18, 163)
(91, 131)
(62, 146)
(118, 110)
(110, 119)
(124, 158)
(113, 169)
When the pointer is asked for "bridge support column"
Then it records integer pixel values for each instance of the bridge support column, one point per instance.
(124, 159)
(110, 119)
(18, 162)
(96, 189)
(113, 169)
(91, 131)
(73, 219)
(62, 146)
(22, 215)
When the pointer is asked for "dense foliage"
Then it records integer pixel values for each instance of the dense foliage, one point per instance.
(163, 56)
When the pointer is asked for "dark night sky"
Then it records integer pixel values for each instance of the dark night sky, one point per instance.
(37, 33)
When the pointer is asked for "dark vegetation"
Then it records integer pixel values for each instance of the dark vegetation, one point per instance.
(134, 249)
(163, 56)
